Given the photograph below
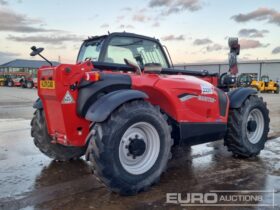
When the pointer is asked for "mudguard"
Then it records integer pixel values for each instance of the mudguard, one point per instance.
(238, 96)
(103, 107)
(38, 104)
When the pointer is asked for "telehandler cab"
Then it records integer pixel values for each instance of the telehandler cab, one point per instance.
(124, 105)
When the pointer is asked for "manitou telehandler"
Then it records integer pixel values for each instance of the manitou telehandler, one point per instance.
(124, 105)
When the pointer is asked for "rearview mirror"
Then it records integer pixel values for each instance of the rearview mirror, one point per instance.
(153, 67)
(36, 51)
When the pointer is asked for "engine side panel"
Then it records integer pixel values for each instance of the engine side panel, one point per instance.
(184, 98)
(199, 109)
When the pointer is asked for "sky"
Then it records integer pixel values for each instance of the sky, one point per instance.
(194, 31)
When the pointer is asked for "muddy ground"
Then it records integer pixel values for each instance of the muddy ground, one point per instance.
(29, 180)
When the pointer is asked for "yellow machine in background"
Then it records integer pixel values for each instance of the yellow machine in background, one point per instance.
(2, 80)
(265, 85)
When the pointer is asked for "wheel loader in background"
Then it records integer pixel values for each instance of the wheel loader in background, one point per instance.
(2, 79)
(244, 80)
(123, 106)
(265, 85)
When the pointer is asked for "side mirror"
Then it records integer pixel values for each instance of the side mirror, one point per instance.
(133, 65)
(153, 67)
(36, 51)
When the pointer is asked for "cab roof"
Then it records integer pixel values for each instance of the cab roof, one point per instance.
(122, 34)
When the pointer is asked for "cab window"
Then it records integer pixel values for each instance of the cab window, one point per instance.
(138, 50)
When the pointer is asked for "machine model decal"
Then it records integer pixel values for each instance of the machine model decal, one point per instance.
(206, 89)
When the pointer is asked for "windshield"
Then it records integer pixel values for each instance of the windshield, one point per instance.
(265, 78)
(90, 50)
(137, 50)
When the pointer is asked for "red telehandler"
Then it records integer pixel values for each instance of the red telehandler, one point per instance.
(124, 105)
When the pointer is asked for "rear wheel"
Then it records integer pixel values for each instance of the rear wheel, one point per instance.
(248, 127)
(10, 83)
(42, 140)
(130, 150)
(29, 84)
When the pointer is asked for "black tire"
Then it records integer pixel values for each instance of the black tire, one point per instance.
(29, 84)
(23, 84)
(236, 138)
(277, 90)
(42, 140)
(103, 149)
(10, 83)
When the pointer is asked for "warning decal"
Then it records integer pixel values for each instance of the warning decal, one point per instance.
(68, 99)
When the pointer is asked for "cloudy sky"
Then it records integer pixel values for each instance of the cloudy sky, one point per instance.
(193, 30)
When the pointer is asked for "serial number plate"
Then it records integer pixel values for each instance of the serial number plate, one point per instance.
(47, 84)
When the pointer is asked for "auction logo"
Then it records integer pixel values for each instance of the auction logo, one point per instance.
(223, 198)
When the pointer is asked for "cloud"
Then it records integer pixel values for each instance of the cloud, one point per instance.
(7, 56)
(11, 21)
(119, 18)
(260, 14)
(105, 25)
(127, 9)
(173, 38)
(214, 47)
(156, 24)
(251, 44)
(49, 39)
(140, 18)
(202, 41)
(122, 26)
(252, 33)
(3, 2)
(276, 50)
(174, 6)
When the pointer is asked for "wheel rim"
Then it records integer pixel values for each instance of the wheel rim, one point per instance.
(139, 163)
(29, 85)
(255, 126)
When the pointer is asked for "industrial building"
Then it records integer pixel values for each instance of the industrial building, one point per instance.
(21, 65)
(254, 68)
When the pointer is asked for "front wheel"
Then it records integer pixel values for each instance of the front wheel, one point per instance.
(277, 90)
(130, 150)
(248, 127)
